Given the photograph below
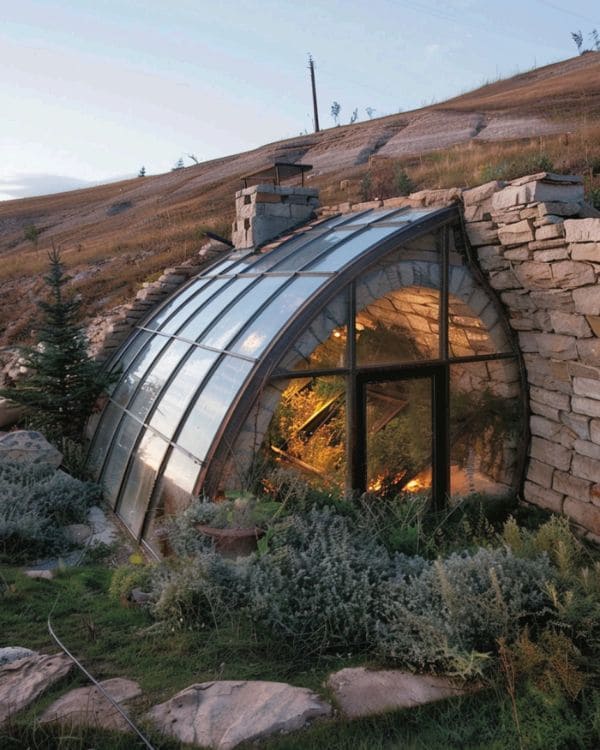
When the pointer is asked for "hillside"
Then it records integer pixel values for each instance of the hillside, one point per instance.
(113, 237)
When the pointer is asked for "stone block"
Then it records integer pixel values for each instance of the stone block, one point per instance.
(593, 322)
(549, 232)
(556, 345)
(502, 280)
(476, 212)
(569, 323)
(568, 274)
(587, 299)
(575, 487)
(482, 233)
(544, 256)
(589, 251)
(517, 233)
(585, 467)
(548, 244)
(578, 423)
(560, 209)
(544, 410)
(584, 514)
(589, 387)
(590, 407)
(490, 258)
(542, 496)
(595, 431)
(518, 300)
(534, 275)
(587, 448)
(553, 299)
(589, 351)
(519, 253)
(541, 190)
(481, 192)
(582, 230)
(550, 398)
(545, 428)
(540, 473)
(551, 453)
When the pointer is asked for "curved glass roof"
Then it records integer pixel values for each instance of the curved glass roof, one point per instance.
(186, 367)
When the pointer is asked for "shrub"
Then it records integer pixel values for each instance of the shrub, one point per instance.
(125, 578)
(320, 583)
(447, 615)
(518, 167)
(36, 501)
(402, 182)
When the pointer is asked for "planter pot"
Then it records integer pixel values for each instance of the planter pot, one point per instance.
(233, 542)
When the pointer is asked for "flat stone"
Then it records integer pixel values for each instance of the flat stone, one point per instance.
(482, 233)
(78, 533)
(586, 251)
(589, 351)
(585, 467)
(588, 406)
(569, 324)
(569, 274)
(481, 192)
(549, 231)
(544, 256)
(543, 497)
(8, 654)
(560, 209)
(582, 230)
(364, 692)
(551, 453)
(516, 234)
(224, 714)
(87, 707)
(585, 514)
(572, 486)
(22, 681)
(44, 575)
(28, 446)
(587, 300)
(533, 275)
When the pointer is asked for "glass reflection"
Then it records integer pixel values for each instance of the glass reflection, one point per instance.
(204, 318)
(115, 466)
(130, 381)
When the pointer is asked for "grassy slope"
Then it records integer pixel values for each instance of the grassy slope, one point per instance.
(112, 253)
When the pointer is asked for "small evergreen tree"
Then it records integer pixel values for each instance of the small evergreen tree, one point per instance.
(142, 172)
(64, 381)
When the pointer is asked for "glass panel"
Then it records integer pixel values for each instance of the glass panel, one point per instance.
(485, 427)
(180, 391)
(399, 435)
(103, 437)
(204, 318)
(142, 364)
(307, 251)
(174, 493)
(261, 331)
(176, 302)
(352, 249)
(268, 260)
(470, 333)
(116, 464)
(323, 344)
(402, 326)
(193, 305)
(140, 480)
(213, 402)
(134, 346)
(157, 376)
(242, 310)
(308, 430)
(229, 265)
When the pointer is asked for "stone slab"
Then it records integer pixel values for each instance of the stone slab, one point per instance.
(87, 707)
(28, 446)
(223, 714)
(8, 654)
(22, 681)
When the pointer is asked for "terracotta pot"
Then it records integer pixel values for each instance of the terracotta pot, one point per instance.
(233, 542)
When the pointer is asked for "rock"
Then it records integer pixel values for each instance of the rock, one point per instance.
(363, 692)
(104, 530)
(516, 234)
(78, 533)
(9, 412)
(24, 680)
(27, 445)
(87, 707)
(137, 596)
(587, 300)
(8, 654)
(46, 574)
(223, 714)
(582, 230)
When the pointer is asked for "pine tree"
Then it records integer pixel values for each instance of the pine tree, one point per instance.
(64, 381)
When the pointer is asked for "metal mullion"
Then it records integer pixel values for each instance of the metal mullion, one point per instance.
(443, 306)
(316, 373)
(354, 410)
(440, 385)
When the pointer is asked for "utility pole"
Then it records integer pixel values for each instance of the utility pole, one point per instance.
(311, 67)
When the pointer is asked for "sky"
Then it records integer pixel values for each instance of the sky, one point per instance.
(92, 90)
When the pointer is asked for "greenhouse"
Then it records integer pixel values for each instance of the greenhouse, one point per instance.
(364, 351)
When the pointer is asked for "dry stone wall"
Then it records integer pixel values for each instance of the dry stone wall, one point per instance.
(539, 246)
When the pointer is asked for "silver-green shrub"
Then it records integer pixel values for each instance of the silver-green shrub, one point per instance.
(36, 502)
(447, 614)
(320, 585)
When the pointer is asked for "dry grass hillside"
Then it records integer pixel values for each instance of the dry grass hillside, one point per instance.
(114, 237)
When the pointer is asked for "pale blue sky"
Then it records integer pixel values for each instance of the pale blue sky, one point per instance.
(91, 90)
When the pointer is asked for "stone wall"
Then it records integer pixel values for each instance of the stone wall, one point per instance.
(539, 246)
(264, 211)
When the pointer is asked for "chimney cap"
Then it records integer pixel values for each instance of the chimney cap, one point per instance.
(280, 170)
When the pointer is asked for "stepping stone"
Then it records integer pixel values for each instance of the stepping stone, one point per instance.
(22, 681)
(363, 692)
(8, 654)
(223, 714)
(87, 707)
(28, 446)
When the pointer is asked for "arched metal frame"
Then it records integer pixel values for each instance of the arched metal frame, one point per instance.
(301, 257)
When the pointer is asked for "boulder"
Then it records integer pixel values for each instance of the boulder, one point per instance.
(22, 681)
(9, 412)
(87, 706)
(223, 714)
(28, 446)
(363, 692)
(8, 654)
